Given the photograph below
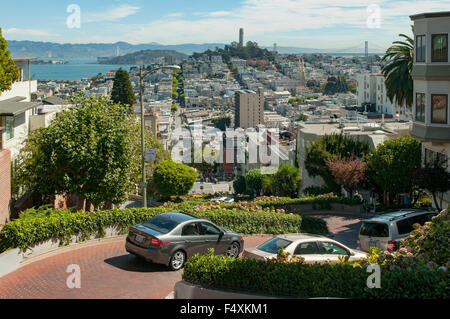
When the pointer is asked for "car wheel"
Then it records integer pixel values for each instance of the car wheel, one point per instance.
(177, 261)
(233, 250)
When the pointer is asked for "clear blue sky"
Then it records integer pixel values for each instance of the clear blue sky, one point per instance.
(303, 23)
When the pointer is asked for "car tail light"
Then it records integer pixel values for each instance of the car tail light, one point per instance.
(392, 245)
(359, 243)
(156, 242)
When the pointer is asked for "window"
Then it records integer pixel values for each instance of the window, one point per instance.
(274, 245)
(439, 109)
(161, 224)
(439, 48)
(329, 248)
(420, 48)
(420, 107)
(9, 128)
(208, 229)
(310, 248)
(190, 230)
(374, 230)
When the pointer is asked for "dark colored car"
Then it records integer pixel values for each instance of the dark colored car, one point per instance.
(171, 238)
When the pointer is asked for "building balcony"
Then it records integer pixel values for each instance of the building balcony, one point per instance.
(431, 133)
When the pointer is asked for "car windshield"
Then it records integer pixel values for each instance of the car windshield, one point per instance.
(162, 224)
(374, 230)
(274, 245)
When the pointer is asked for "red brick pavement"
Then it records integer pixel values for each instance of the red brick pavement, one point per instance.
(107, 272)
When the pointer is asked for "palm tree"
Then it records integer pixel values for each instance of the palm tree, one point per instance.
(397, 71)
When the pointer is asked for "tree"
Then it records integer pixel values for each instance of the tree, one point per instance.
(8, 70)
(399, 60)
(173, 108)
(330, 147)
(87, 151)
(286, 180)
(122, 91)
(239, 185)
(433, 177)
(173, 179)
(253, 180)
(348, 173)
(392, 165)
(336, 85)
(222, 123)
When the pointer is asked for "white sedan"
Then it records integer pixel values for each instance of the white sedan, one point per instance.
(313, 248)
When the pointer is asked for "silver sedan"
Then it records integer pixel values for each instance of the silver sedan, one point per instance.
(313, 248)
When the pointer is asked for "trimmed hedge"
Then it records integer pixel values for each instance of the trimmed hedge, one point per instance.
(37, 225)
(43, 224)
(312, 281)
(321, 202)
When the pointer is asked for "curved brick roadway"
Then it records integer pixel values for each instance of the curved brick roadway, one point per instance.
(108, 271)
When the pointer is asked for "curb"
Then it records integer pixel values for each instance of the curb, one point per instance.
(15, 259)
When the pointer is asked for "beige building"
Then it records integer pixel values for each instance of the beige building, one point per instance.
(431, 74)
(249, 108)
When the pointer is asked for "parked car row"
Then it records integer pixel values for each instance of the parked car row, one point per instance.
(171, 238)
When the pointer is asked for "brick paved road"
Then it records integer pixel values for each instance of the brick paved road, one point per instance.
(107, 272)
(345, 229)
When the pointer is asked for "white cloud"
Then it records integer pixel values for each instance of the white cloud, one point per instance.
(175, 15)
(306, 23)
(220, 14)
(112, 14)
(28, 32)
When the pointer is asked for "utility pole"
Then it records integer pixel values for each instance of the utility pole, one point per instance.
(144, 177)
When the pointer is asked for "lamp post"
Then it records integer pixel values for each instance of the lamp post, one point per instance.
(142, 76)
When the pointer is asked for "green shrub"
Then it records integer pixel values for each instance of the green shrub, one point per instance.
(309, 281)
(320, 202)
(430, 242)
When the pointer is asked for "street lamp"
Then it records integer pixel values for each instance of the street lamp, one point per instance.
(142, 76)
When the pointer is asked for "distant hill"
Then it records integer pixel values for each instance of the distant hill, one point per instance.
(145, 57)
(45, 50)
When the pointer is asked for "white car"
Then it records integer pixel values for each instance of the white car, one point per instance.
(223, 200)
(313, 248)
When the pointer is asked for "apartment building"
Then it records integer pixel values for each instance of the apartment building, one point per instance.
(431, 74)
(15, 111)
(16, 108)
(249, 108)
(372, 94)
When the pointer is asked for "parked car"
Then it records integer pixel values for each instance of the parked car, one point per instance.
(223, 200)
(171, 238)
(313, 248)
(387, 230)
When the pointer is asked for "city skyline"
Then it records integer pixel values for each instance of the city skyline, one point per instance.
(322, 24)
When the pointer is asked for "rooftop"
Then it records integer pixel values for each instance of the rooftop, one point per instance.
(12, 107)
(429, 15)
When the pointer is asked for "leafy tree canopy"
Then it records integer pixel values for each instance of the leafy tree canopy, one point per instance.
(122, 91)
(173, 179)
(8, 70)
